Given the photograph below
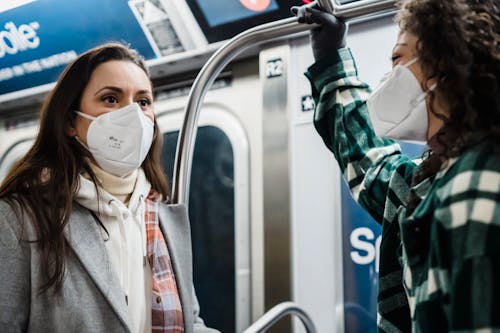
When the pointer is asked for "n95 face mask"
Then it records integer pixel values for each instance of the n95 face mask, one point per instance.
(119, 140)
(397, 108)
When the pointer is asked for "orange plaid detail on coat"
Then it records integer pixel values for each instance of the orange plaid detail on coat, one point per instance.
(166, 305)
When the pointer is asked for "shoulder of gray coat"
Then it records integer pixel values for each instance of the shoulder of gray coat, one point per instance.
(11, 224)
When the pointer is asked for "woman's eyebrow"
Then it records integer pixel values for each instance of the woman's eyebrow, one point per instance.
(144, 92)
(400, 44)
(112, 88)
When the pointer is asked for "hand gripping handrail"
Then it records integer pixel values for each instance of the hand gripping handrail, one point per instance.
(216, 63)
(276, 313)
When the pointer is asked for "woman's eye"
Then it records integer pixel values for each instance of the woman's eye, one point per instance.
(144, 103)
(110, 99)
(395, 57)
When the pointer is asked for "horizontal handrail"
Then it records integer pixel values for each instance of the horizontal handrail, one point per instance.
(278, 312)
(224, 55)
(361, 8)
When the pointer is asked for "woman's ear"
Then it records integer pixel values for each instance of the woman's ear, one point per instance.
(71, 130)
(70, 127)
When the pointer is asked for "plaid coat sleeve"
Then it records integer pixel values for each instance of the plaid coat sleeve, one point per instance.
(378, 175)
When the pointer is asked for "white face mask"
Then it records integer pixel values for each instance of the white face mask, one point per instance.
(119, 140)
(397, 108)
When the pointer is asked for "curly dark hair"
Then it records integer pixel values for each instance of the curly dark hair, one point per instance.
(459, 46)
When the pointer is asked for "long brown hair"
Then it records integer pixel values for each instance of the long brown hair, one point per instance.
(45, 181)
(458, 46)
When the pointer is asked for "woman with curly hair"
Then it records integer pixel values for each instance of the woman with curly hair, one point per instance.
(440, 249)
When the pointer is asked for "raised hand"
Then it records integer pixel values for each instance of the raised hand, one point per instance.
(326, 38)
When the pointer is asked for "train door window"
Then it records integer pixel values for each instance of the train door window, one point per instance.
(211, 212)
(219, 223)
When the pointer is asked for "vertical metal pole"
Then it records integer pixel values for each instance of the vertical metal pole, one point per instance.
(217, 62)
(211, 69)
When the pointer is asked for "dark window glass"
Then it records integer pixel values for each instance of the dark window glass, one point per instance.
(222, 19)
(211, 211)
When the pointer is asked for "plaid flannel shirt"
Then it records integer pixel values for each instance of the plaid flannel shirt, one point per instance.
(440, 266)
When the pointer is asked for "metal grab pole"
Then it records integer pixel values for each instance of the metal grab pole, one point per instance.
(217, 62)
(276, 313)
(205, 78)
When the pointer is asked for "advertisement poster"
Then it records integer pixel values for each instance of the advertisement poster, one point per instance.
(40, 37)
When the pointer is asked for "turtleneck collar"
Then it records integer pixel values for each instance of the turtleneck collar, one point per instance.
(120, 187)
(103, 202)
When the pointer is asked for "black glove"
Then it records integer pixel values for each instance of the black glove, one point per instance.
(326, 38)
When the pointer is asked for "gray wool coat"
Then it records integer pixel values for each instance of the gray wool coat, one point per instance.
(91, 299)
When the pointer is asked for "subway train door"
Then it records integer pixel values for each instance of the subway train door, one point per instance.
(218, 211)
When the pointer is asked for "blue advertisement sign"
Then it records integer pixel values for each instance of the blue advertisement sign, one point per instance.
(361, 235)
(361, 243)
(38, 39)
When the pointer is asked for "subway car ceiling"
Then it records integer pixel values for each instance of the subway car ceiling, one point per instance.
(176, 37)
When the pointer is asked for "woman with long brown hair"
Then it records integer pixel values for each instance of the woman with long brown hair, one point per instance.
(440, 250)
(87, 243)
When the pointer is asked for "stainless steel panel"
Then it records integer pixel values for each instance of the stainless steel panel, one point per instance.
(277, 270)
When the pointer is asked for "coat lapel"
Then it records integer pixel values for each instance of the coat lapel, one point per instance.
(174, 223)
(84, 237)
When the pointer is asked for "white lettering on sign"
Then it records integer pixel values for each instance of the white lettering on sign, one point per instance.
(365, 247)
(274, 68)
(37, 65)
(17, 39)
(6, 73)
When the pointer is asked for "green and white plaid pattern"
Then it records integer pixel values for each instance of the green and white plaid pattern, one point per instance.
(450, 258)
